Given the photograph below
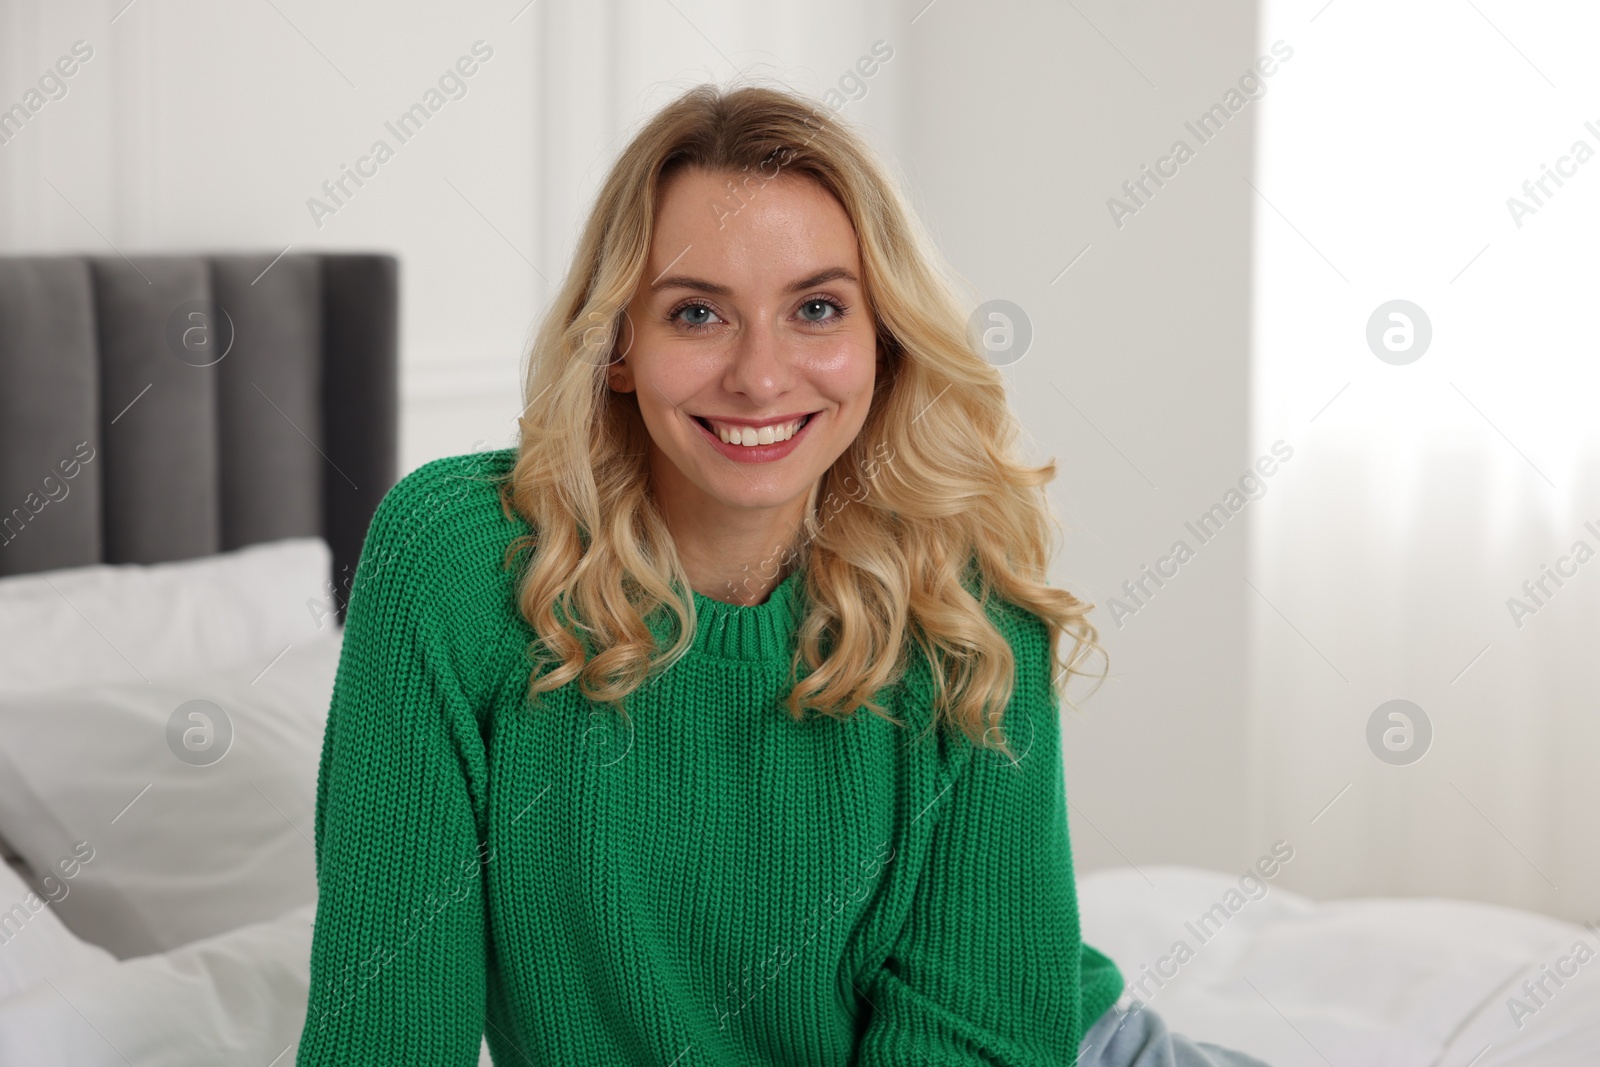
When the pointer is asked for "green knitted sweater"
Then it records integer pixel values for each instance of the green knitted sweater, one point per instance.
(712, 884)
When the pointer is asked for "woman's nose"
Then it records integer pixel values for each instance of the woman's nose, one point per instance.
(760, 360)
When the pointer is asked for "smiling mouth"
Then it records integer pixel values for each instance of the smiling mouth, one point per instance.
(753, 437)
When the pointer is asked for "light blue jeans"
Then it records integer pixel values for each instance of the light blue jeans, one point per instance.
(1138, 1037)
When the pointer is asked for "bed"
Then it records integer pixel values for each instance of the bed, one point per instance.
(190, 450)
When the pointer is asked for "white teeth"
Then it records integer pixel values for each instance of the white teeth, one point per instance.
(750, 437)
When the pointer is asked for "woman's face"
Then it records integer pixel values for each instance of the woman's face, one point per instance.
(750, 317)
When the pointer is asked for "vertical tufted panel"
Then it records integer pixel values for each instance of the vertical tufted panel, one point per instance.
(269, 393)
(49, 416)
(361, 323)
(158, 414)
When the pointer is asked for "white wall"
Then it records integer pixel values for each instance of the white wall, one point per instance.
(1028, 118)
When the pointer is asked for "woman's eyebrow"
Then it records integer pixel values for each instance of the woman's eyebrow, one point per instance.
(684, 281)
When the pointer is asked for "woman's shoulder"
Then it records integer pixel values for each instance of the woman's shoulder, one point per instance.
(435, 566)
(443, 529)
(454, 477)
(448, 496)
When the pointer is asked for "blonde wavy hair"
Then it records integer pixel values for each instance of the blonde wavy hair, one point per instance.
(950, 504)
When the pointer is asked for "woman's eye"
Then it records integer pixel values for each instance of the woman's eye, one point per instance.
(816, 310)
(699, 315)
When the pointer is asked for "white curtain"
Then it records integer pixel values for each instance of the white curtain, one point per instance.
(1422, 495)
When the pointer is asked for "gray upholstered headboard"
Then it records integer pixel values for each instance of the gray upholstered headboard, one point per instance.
(167, 407)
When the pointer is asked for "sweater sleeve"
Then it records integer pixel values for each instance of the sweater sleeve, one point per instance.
(397, 954)
(986, 968)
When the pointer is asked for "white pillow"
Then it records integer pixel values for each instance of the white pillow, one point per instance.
(34, 945)
(132, 622)
(185, 842)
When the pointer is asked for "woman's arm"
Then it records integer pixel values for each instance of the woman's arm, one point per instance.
(397, 955)
(986, 968)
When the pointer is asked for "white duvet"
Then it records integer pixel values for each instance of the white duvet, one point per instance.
(238, 997)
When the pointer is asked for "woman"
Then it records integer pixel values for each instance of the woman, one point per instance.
(637, 753)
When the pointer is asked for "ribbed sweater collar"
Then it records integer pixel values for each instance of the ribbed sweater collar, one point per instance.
(756, 632)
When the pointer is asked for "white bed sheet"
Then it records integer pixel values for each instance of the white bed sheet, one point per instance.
(1373, 982)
